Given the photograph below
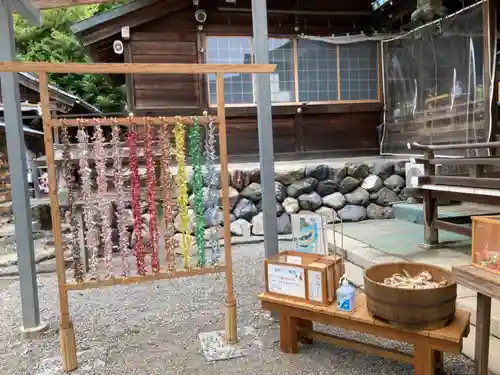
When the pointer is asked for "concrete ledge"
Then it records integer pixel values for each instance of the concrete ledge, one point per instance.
(34, 333)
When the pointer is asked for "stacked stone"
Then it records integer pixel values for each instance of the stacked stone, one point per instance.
(354, 192)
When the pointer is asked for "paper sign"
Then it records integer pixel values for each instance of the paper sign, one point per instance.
(287, 280)
(314, 281)
(293, 259)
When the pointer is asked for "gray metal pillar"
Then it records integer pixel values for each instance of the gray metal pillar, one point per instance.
(265, 127)
(18, 176)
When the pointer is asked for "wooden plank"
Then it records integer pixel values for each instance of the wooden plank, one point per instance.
(362, 347)
(126, 121)
(452, 227)
(462, 161)
(484, 183)
(447, 339)
(115, 68)
(163, 275)
(162, 47)
(49, 4)
(456, 330)
(477, 279)
(483, 321)
(164, 58)
(163, 36)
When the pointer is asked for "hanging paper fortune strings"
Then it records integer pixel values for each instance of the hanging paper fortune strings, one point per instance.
(138, 240)
(119, 182)
(90, 210)
(199, 204)
(179, 133)
(213, 188)
(74, 244)
(151, 185)
(166, 190)
(104, 201)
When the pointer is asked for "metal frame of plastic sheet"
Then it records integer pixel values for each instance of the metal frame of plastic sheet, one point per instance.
(433, 85)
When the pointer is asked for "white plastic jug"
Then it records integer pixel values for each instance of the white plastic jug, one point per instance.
(346, 294)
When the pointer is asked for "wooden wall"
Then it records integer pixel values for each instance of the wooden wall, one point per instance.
(346, 127)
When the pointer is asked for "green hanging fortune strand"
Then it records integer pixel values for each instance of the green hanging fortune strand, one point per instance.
(194, 148)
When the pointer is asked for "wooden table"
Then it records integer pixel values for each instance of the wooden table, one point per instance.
(296, 324)
(487, 286)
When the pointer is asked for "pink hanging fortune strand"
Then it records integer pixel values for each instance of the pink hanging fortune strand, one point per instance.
(74, 244)
(104, 202)
(166, 190)
(213, 191)
(89, 209)
(119, 181)
(136, 204)
(179, 133)
(151, 183)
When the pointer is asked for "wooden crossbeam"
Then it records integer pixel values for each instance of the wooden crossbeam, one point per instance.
(134, 68)
(147, 278)
(131, 121)
(469, 182)
(50, 4)
(461, 161)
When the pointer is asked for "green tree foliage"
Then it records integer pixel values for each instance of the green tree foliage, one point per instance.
(53, 41)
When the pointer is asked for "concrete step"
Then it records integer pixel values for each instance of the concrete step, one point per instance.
(414, 213)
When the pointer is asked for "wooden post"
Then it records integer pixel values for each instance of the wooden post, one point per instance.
(489, 13)
(129, 78)
(431, 237)
(483, 318)
(67, 333)
(231, 329)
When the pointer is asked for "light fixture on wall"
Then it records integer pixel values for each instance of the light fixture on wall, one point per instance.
(296, 28)
(200, 16)
(118, 47)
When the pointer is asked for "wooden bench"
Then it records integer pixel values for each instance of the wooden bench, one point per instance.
(474, 188)
(487, 286)
(296, 325)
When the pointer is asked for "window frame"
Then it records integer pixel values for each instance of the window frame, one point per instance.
(295, 40)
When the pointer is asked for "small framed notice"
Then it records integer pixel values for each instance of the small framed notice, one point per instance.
(308, 232)
(315, 287)
(286, 280)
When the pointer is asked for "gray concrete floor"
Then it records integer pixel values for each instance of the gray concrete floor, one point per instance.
(152, 328)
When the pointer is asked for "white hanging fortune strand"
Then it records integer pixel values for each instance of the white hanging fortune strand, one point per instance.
(119, 181)
(70, 217)
(90, 210)
(213, 190)
(104, 202)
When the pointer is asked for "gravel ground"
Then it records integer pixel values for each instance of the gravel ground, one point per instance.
(153, 329)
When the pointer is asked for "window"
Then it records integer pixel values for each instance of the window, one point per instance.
(282, 80)
(306, 70)
(317, 71)
(358, 71)
(238, 88)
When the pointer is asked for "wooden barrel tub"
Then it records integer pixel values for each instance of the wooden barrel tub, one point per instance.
(410, 308)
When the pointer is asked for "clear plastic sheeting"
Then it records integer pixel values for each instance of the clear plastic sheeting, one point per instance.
(433, 85)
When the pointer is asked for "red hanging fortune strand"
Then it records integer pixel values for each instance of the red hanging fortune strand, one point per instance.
(136, 206)
(151, 183)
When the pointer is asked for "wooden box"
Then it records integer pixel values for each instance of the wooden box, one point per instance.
(309, 277)
(486, 242)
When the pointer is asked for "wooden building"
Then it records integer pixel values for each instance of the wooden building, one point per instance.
(326, 97)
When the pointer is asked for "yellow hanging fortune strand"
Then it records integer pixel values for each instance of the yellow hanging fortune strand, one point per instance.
(182, 185)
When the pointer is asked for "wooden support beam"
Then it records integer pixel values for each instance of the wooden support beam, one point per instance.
(114, 68)
(132, 121)
(469, 182)
(49, 4)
